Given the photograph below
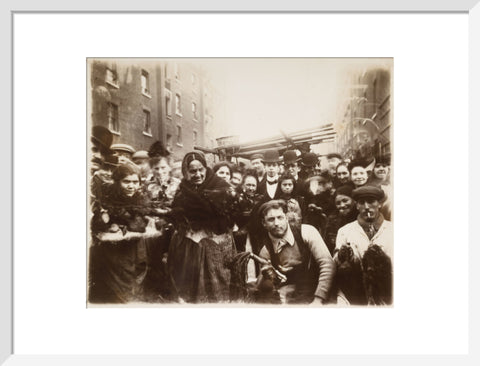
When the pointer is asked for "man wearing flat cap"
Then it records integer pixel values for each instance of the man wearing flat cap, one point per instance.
(370, 226)
(364, 252)
(257, 164)
(271, 161)
(333, 159)
(291, 163)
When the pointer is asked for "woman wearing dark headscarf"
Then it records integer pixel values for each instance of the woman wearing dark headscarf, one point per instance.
(345, 213)
(118, 260)
(202, 246)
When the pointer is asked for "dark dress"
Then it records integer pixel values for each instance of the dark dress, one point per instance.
(202, 247)
(334, 222)
(244, 205)
(118, 260)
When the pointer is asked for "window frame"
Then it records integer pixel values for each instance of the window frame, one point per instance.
(147, 115)
(145, 91)
(109, 119)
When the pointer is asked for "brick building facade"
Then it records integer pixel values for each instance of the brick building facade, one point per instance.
(142, 101)
(364, 130)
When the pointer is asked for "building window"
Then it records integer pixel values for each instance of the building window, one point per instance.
(194, 111)
(178, 104)
(179, 136)
(112, 117)
(111, 77)
(195, 137)
(145, 83)
(147, 126)
(168, 102)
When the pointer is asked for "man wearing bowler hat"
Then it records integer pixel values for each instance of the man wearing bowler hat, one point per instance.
(309, 160)
(291, 161)
(101, 141)
(271, 161)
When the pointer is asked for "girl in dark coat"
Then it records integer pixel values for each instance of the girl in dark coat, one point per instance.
(118, 257)
(202, 246)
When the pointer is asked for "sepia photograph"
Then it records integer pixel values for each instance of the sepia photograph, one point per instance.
(240, 182)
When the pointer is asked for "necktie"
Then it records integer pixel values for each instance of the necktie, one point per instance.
(272, 182)
(281, 244)
(371, 231)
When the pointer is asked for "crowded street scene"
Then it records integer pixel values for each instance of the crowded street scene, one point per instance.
(183, 210)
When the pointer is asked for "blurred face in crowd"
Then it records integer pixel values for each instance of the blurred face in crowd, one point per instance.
(368, 208)
(292, 168)
(381, 171)
(271, 169)
(250, 186)
(332, 165)
(275, 222)
(318, 186)
(359, 176)
(287, 186)
(161, 170)
(343, 174)
(344, 204)
(196, 172)
(130, 185)
(236, 179)
(257, 164)
(224, 173)
(309, 171)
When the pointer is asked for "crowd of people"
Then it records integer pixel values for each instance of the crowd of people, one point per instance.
(277, 230)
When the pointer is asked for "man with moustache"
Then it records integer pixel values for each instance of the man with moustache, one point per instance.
(370, 226)
(271, 161)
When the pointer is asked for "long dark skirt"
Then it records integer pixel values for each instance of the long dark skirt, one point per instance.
(117, 271)
(201, 272)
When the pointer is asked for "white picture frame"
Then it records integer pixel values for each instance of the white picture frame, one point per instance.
(7, 249)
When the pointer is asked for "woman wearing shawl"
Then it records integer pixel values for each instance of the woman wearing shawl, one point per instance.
(202, 246)
(118, 258)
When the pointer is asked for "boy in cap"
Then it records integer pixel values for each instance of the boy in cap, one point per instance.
(333, 159)
(257, 164)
